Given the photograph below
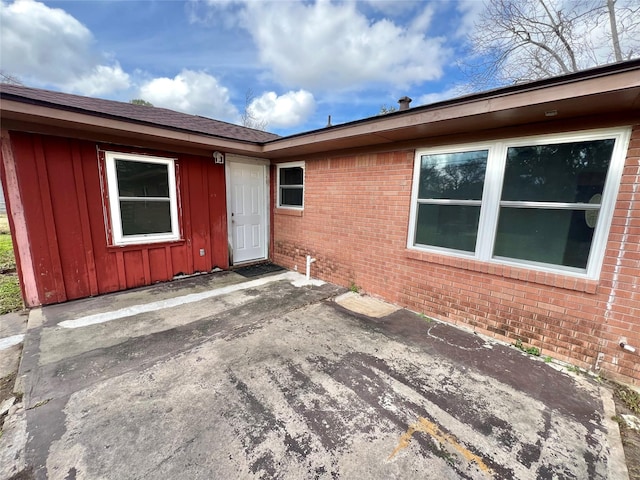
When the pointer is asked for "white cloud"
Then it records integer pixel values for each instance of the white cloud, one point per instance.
(102, 79)
(453, 92)
(191, 92)
(470, 11)
(326, 45)
(288, 110)
(47, 46)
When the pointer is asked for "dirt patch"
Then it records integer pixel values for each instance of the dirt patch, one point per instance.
(6, 387)
(627, 402)
(6, 391)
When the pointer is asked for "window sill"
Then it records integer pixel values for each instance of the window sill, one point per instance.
(293, 212)
(544, 278)
(145, 245)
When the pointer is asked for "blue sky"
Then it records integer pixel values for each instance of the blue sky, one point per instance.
(302, 61)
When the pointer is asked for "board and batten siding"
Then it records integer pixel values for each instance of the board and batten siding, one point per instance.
(65, 215)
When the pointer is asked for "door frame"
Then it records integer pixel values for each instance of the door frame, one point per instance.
(266, 207)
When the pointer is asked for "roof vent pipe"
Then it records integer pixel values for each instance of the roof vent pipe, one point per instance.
(404, 103)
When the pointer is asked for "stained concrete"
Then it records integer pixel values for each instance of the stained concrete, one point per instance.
(279, 381)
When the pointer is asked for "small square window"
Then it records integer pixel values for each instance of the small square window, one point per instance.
(291, 185)
(142, 198)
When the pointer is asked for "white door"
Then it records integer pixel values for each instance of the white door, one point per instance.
(247, 211)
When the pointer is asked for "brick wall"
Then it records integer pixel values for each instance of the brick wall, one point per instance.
(620, 279)
(355, 224)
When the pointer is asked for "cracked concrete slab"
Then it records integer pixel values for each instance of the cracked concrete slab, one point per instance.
(279, 381)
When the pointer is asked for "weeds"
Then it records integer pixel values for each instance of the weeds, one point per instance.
(530, 350)
(629, 397)
(354, 288)
(424, 317)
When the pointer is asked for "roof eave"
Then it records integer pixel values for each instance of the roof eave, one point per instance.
(602, 91)
(51, 118)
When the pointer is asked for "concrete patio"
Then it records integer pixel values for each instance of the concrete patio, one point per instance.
(221, 376)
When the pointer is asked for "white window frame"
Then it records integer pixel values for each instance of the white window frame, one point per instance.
(114, 199)
(302, 187)
(492, 191)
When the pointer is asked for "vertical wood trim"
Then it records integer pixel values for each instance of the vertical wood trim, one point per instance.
(169, 262)
(49, 220)
(185, 185)
(122, 274)
(271, 195)
(18, 223)
(87, 240)
(146, 267)
(206, 168)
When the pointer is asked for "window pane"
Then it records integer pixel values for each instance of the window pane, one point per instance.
(291, 197)
(566, 172)
(558, 237)
(291, 176)
(143, 217)
(458, 176)
(142, 179)
(450, 226)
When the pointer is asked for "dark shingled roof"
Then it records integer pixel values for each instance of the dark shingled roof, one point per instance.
(161, 117)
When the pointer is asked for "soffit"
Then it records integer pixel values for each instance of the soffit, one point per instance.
(602, 96)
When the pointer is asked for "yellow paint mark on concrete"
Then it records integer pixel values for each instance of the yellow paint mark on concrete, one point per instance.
(425, 426)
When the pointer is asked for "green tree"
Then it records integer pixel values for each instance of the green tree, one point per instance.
(140, 101)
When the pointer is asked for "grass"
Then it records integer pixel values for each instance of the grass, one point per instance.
(10, 296)
(7, 260)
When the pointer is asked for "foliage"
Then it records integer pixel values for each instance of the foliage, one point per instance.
(518, 41)
(140, 101)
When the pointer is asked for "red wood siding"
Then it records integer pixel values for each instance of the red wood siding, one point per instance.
(355, 222)
(62, 191)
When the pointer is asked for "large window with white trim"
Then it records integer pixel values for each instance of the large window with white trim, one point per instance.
(544, 202)
(291, 185)
(142, 198)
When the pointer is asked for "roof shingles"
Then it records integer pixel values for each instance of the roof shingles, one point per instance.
(161, 117)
